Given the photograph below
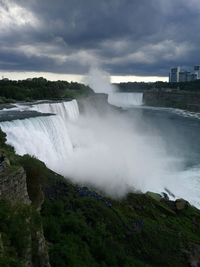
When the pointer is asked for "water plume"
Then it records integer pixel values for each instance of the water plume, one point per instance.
(99, 81)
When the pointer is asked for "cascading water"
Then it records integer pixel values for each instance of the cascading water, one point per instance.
(46, 137)
(125, 100)
(67, 110)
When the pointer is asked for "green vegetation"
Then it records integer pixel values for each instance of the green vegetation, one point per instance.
(85, 228)
(134, 86)
(16, 225)
(136, 231)
(193, 86)
(40, 88)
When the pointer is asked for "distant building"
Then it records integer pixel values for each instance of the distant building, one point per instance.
(197, 71)
(193, 76)
(174, 75)
(178, 75)
(183, 76)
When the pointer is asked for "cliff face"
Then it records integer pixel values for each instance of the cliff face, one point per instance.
(22, 242)
(13, 183)
(175, 99)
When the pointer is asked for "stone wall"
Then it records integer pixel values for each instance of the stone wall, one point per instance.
(171, 98)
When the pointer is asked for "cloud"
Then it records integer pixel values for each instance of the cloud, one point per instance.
(144, 37)
(13, 15)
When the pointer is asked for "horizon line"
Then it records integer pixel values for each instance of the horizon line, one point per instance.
(23, 75)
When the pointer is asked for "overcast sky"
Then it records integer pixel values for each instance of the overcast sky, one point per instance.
(123, 37)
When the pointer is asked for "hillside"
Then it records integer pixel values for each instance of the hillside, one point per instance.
(83, 227)
(187, 100)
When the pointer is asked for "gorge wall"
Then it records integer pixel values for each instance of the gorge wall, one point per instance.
(22, 240)
(13, 185)
(174, 99)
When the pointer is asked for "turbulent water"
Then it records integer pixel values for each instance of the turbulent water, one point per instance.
(117, 152)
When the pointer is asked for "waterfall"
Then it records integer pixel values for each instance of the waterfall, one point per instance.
(67, 110)
(47, 138)
(125, 100)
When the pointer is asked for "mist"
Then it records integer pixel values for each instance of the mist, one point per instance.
(111, 149)
(117, 153)
(99, 81)
(114, 156)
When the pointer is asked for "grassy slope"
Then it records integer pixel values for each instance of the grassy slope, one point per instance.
(17, 223)
(86, 229)
(83, 228)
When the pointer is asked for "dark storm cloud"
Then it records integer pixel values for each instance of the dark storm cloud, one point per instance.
(143, 37)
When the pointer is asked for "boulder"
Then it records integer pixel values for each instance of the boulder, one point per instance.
(153, 195)
(181, 204)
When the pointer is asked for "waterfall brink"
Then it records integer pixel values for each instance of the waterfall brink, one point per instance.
(67, 110)
(126, 100)
(47, 138)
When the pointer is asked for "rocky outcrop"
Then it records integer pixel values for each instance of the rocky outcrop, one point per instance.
(13, 185)
(41, 257)
(153, 195)
(13, 188)
(173, 98)
(181, 204)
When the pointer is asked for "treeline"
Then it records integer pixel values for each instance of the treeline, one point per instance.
(142, 86)
(133, 86)
(187, 86)
(40, 88)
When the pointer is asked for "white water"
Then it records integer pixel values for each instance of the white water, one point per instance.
(46, 137)
(105, 151)
(67, 110)
(125, 100)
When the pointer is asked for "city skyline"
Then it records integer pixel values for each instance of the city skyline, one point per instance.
(178, 74)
